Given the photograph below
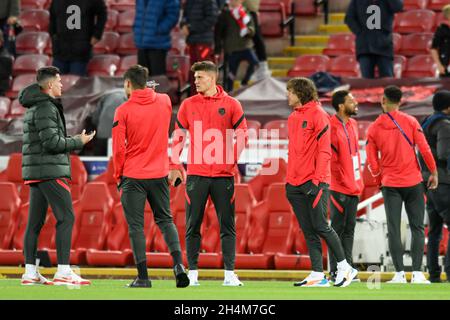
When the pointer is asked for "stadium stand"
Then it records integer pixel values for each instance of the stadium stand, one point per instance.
(260, 183)
(306, 65)
(420, 66)
(4, 106)
(415, 44)
(340, 44)
(29, 63)
(414, 21)
(103, 65)
(108, 44)
(344, 66)
(32, 42)
(35, 20)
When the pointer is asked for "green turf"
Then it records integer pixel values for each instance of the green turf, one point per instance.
(253, 290)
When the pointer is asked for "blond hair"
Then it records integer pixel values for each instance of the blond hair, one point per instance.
(446, 11)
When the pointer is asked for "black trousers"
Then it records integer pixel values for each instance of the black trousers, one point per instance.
(343, 210)
(367, 63)
(154, 60)
(57, 194)
(311, 213)
(438, 208)
(258, 40)
(414, 200)
(221, 190)
(134, 194)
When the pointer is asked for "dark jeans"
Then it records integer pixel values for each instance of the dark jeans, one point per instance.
(311, 213)
(221, 190)
(413, 197)
(343, 220)
(57, 194)
(78, 68)
(156, 191)
(234, 60)
(438, 207)
(154, 60)
(258, 40)
(367, 63)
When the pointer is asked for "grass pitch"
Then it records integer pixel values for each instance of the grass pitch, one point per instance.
(10, 289)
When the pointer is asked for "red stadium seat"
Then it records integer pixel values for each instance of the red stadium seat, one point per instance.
(68, 81)
(305, 8)
(275, 128)
(274, 4)
(363, 126)
(4, 106)
(399, 67)
(253, 127)
(32, 4)
(118, 247)
(19, 83)
(34, 20)
(111, 22)
(273, 170)
(437, 5)
(344, 66)
(108, 43)
(299, 258)
(440, 18)
(123, 5)
(9, 209)
(339, 44)
(271, 20)
(13, 170)
(397, 39)
(125, 21)
(126, 45)
(414, 4)
(416, 43)
(125, 63)
(93, 220)
(79, 177)
(29, 63)
(210, 255)
(108, 178)
(32, 42)
(245, 200)
(271, 231)
(420, 66)
(308, 64)
(14, 256)
(370, 189)
(104, 65)
(414, 21)
(16, 109)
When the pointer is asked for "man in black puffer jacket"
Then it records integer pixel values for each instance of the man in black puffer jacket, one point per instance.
(46, 168)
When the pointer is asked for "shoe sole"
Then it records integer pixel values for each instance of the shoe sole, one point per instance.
(182, 280)
(232, 285)
(348, 281)
(65, 283)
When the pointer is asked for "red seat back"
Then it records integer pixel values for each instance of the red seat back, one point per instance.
(305, 8)
(437, 5)
(344, 66)
(414, 4)
(416, 43)
(104, 65)
(363, 126)
(95, 216)
(306, 65)
(244, 202)
(273, 170)
(34, 19)
(68, 81)
(9, 209)
(126, 45)
(79, 176)
(125, 63)
(339, 44)
(29, 63)
(420, 66)
(271, 19)
(125, 21)
(414, 21)
(21, 82)
(32, 4)
(108, 43)
(275, 128)
(111, 22)
(4, 106)
(32, 42)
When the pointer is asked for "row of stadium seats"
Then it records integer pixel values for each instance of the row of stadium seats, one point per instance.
(419, 66)
(406, 45)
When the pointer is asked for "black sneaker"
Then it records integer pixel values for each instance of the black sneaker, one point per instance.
(139, 283)
(181, 276)
(435, 279)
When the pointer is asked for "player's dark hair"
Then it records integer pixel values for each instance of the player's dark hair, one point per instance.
(206, 65)
(46, 73)
(339, 98)
(393, 94)
(137, 75)
(304, 89)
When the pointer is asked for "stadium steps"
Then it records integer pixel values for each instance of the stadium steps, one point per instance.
(311, 40)
(295, 51)
(207, 274)
(333, 28)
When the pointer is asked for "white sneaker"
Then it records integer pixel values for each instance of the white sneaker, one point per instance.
(28, 280)
(70, 278)
(313, 281)
(232, 281)
(399, 277)
(261, 72)
(345, 276)
(419, 278)
(193, 278)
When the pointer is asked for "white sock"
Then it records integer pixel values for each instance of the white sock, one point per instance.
(63, 268)
(317, 275)
(30, 270)
(417, 273)
(193, 273)
(343, 265)
(229, 273)
(400, 273)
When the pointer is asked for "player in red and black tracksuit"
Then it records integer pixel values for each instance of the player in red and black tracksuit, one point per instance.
(212, 119)
(346, 181)
(395, 135)
(308, 179)
(141, 167)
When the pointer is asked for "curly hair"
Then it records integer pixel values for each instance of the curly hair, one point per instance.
(304, 89)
